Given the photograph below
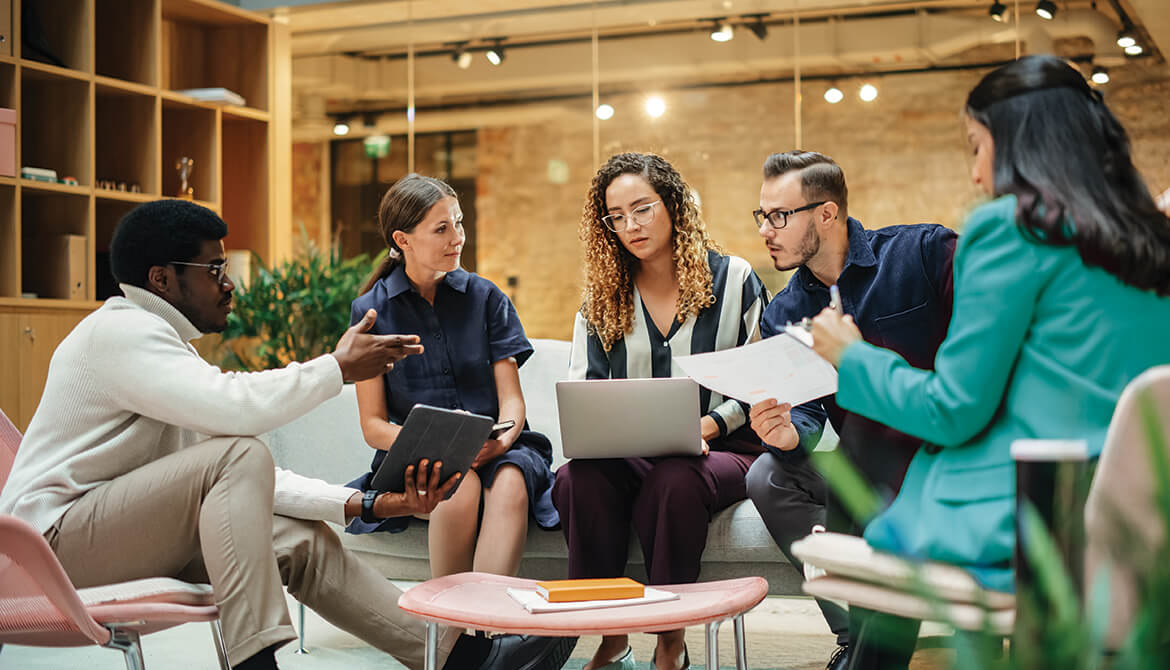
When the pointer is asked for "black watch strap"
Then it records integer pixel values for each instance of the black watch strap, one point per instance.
(368, 507)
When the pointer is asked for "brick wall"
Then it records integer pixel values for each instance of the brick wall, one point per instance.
(904, 155)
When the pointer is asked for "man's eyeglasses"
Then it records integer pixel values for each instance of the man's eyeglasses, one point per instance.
(217, 269)
(640, 215)
(778, 218)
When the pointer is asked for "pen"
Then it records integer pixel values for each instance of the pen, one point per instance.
(835, 299)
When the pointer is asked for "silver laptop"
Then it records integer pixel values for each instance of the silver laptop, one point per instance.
(622, 418)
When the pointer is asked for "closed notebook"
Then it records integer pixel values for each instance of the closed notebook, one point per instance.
(575, 590)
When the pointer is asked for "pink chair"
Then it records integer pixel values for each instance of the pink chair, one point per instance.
(40, 607)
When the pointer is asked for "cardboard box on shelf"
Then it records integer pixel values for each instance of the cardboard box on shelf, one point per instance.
(58, 269)
(7, 142)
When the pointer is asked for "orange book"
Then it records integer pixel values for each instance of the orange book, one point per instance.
(574, 590)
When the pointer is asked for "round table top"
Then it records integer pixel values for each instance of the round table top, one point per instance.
(481, 601)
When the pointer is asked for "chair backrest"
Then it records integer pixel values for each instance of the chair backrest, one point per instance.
(36, 596)
(1121, 500)
(9, 442)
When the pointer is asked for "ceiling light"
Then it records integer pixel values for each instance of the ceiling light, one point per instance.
(1134, 50)
(1100, 75)
(833, 95)
(495, 55)
(998, 11)
(868, 93)
(604, 112)
(758, 28)
(461, 56)
(341, 128)
(655, 106)
(1126, 37)
(722, 32)
(1046, 9)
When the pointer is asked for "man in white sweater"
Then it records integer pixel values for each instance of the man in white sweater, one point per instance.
(139, 461)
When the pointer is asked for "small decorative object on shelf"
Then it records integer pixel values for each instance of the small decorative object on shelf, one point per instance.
(184, 167)
(38, 174)
(69, 181)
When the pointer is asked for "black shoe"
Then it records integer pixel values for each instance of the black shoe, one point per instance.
(528, 652)
(840, 658)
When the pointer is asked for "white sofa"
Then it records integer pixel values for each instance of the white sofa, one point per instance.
(327, 443)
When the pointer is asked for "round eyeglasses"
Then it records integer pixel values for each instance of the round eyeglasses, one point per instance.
(640, 215)
(778, 218)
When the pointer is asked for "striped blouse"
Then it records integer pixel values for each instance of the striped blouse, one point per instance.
(734, 319)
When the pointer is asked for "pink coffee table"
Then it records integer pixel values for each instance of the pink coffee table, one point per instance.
(481, 601)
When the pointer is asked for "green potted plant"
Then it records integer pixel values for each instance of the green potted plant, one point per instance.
(294, 312)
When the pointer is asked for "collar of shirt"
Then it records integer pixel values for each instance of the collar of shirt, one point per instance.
(157, 306)
(397, 282)
(860, 252)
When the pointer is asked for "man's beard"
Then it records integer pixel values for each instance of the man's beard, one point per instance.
(809, 245)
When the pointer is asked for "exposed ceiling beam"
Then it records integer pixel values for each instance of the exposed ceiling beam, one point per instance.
(1154, 16)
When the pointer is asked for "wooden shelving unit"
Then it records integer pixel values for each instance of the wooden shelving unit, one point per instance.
(114, 114)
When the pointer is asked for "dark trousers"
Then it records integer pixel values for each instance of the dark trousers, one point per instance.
(792, 498)
(668, 500)
(881, 641)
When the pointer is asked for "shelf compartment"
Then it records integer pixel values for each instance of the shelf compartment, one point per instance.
(8, 85)
(127, 137)
(9, 244)
(205, 50)
(67, 26)
(190, 131)
(59, 136)
(245, 184)
(46, 269)
(107, 214)
(126, 40)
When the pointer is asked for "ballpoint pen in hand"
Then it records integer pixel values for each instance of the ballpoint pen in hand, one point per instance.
(835, 299)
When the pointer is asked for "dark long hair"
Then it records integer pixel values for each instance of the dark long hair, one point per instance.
(1066, 157)
(403, 207)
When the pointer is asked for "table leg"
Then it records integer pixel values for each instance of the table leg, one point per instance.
(713, 645)
(740, 644)
(432, 648)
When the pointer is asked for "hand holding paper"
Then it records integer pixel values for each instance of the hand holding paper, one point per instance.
(779, 367)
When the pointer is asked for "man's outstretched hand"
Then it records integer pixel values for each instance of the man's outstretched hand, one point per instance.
(364, 356)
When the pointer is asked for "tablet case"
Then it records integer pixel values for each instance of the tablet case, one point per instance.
(437, 434)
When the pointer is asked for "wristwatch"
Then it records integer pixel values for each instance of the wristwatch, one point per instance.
(368, 507)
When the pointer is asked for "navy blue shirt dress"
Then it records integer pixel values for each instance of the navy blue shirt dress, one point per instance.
(471, 326)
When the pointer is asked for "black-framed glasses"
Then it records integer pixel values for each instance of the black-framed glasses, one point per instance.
(640, 215)
(778, 218)
(217, 269)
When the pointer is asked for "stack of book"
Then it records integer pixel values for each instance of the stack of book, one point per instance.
(565, 595)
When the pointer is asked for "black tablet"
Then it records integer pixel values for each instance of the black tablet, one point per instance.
(436, 434)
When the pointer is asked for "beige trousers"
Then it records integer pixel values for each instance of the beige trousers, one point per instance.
(204, 514)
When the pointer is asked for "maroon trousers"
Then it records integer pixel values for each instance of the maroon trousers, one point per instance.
(669, 501)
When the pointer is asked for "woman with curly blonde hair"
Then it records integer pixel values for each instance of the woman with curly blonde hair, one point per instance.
(655, 283)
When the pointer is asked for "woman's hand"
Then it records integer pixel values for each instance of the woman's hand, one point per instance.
(490, 450)
(772, 421)
(706, 447)
(832, 332)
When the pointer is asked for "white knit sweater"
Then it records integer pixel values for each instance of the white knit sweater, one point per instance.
(126, 388)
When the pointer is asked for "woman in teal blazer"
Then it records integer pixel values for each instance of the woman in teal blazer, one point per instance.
(1061, 287)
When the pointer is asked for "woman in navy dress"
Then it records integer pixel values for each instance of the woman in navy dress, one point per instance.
(473, 347)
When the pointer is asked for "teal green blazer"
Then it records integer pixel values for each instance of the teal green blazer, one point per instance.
(1040, 346)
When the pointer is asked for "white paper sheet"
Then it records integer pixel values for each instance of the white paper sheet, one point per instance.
(778, 367)
(533, 602)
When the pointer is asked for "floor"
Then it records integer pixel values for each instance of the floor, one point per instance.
(782, 633)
